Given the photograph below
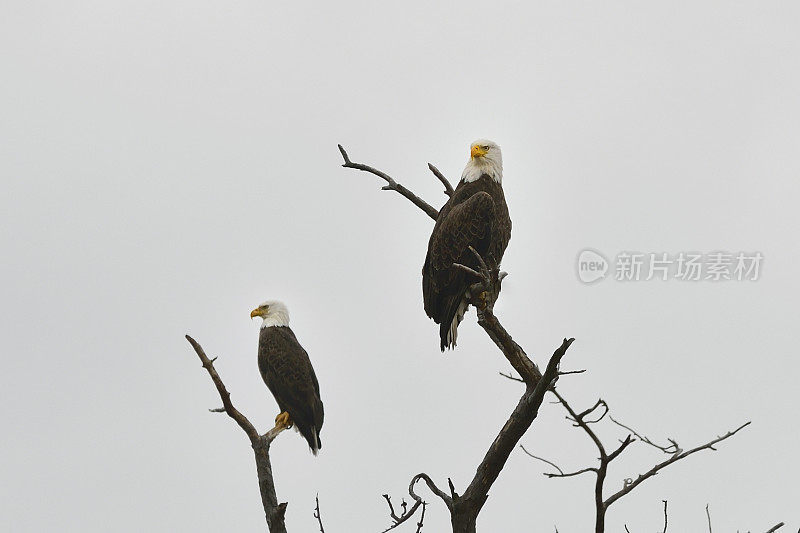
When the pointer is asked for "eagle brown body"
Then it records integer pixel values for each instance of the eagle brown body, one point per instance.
(475, 215)
(286, 369)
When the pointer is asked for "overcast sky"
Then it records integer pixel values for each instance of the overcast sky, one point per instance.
(167, 166)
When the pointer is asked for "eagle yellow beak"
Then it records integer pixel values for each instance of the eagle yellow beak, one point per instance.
(477, 151)
(255, 312)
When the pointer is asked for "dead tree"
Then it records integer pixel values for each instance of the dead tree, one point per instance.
(274, 512)
(464, 508)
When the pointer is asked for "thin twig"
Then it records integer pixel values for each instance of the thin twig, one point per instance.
(602, 404)
(421, 518)
(513, 378)
(672, 448)
(708, 514)
(776, 527)
(542, 460)
(625, 443)
(665, 516)
(392, 513)
(432, 486)
(318, 516)
(575, 473)
(448, 188)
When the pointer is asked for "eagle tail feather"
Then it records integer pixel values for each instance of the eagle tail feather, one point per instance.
(311, 435)
(448, 329)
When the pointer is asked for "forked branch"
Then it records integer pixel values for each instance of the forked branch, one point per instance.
(273, 511)
(392, 185)
(407, 513)
(602, 503)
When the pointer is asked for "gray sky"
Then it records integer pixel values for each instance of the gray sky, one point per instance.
(168, 166)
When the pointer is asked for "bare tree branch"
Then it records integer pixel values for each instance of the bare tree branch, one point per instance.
(448, 188)
(708, 514)
(665, 516)
(273, 511)
(526, 368)
(466, 507)
(776, 527)
(392, 184)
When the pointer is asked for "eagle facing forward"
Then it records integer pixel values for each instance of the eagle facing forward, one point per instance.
(475, 215)
(286, 369)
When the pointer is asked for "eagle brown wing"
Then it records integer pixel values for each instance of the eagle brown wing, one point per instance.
(461, 226)
(286, 369)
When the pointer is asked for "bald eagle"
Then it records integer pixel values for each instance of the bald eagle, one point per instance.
(286, 369)
(475, 215)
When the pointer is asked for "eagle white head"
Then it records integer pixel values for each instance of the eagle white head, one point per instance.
(485, 157)
(273, 312)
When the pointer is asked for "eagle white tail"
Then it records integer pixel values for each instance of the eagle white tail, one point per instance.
(452, 334)
(315, 447)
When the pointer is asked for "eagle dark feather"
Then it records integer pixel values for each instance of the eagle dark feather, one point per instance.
(286, 369)
(475, 215)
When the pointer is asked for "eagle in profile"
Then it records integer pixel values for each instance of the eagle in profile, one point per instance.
(475, 215)
(286, 369)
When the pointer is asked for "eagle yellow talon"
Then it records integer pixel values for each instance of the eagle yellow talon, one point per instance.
(482, 297)
(283, 420)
